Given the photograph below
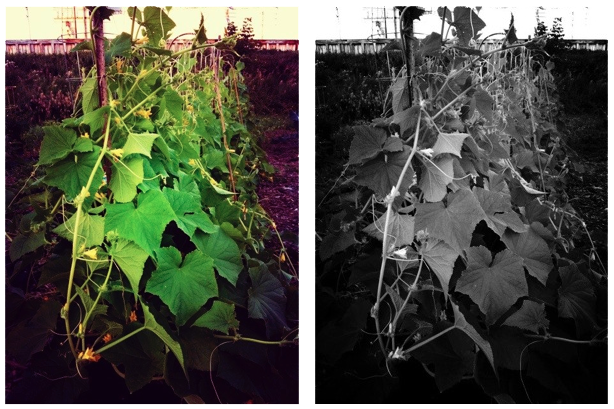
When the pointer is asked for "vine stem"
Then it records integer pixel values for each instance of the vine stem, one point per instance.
(75, 242)
(385, 237)
(223, 123)
(398, 314)
(433, 338)
(257, 341)
(118, 340)
(571, 341)
(88, 314)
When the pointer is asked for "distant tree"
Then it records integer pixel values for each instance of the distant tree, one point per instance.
(245, 42)
(245, 37)
(554, 41)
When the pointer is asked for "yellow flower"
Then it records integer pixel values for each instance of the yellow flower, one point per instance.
(143, 40)
(144, 113)
(118, 153)
(114, 103)
(86, 135)
(119, 64)
(91, 253)
(282, 258)
(190, 108)
(89, 355)
(117, 120)
(192, 162)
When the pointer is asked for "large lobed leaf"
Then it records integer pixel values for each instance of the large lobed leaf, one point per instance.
(453, 223)
(493, 284)
(142, 224)
(267, 300)
(383, 172)
(184, 285)
(400, 229)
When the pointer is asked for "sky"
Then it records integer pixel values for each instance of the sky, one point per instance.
(270, 23)
(354, 22)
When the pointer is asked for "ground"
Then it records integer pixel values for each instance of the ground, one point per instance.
(279, 197)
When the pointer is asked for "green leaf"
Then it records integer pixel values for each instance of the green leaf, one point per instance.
(120, 46)
(83, 145)
(484, 103)
(187, 184)
(454, 223)
(400, 229)
(143, 224)
(57, 144)
(225, 211)
(451, 355)
(461, 323)
(440, 258)
(449, 143)
(436, 174)
(174, 103)
(91, 229)
(576, 298)
(89, 90)
(141, 355)
(139, 143)
(131, 259)
(184, 285)
(493, 284)
(95, 120)
(224, 252)
(367, 143)
(82, 46)
(215, 159)
(400, 94)
(201, 34)
(221, 317)
(337, 241)
(71, 174)
(392, 145)
(340, 336)
(498, 208)
(431, 45)
(199, 347)
(530, 317)
(467, 23)
(157, 23)
(382, 173)
(30, 337)
(26, 243)
(126, 175)
(187, 212)
(534, 251)
(267, 300)
(163, 332)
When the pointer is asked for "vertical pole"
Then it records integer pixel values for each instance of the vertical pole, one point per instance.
(385, 24)
(84, 23)
(74, 18)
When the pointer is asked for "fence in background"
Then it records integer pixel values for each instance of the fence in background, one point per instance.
(64, 46)
(373, 46)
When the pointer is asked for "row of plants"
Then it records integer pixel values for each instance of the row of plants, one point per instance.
(271, 78)
(138, 242)
(448, 246)
(578, 75)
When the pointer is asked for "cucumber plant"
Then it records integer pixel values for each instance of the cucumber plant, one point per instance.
(451, 240)
(144, 215)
